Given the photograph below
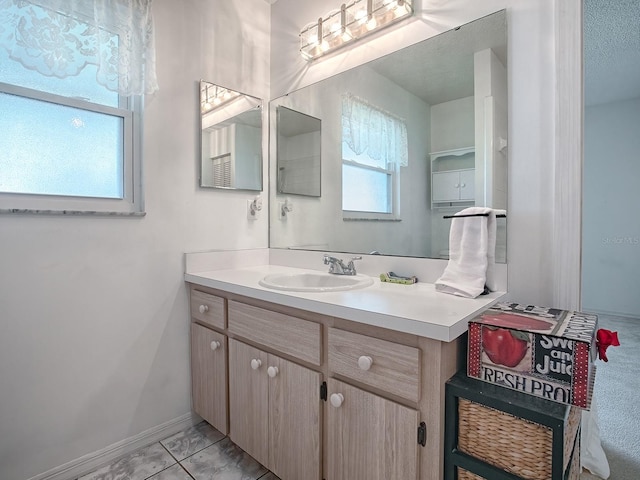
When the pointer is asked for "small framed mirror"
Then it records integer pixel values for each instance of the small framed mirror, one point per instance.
(298, 153)
(230, 139)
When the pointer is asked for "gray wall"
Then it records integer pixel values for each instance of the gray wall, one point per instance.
(611, 225)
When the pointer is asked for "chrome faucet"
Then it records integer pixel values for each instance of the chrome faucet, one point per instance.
(337, 266)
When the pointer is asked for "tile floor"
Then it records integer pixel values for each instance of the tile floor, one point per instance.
(200, 453)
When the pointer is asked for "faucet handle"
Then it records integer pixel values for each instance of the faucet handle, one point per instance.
(351, 267)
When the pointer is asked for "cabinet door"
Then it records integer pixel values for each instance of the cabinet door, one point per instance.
(294, 420)
(369, 437)
(209, 376)
(445, 186)
(467, 185)
(248, 400)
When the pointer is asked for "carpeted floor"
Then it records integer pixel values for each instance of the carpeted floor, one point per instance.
(617, 395)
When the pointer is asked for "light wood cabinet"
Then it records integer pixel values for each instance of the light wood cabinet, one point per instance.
(369, 437)
(379, 363)
(249, 400)
(262, 386)
(208, 309)
(275, 411)
(284, 333)
(209, 376)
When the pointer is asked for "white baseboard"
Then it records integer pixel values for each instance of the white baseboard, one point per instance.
(92, 461)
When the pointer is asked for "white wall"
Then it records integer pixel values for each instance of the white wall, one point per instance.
(93, 311)
(452, 125)
(532, 108)
(611, 231)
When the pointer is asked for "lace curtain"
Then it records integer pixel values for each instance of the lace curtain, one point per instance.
(59, 37)
(367, 128)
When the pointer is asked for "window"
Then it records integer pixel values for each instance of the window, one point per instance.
(374, 147)
(368, 185)
(70, 129)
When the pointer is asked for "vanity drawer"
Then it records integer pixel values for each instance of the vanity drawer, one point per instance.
(386, 365)
(284, 333)
(207, 308)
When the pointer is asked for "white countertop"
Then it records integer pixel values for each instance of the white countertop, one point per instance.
(417, 309)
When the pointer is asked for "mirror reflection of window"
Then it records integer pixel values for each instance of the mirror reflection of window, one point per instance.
(374, 147)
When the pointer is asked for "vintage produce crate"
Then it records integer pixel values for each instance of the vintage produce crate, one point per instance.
(545, 352)
(496, 433)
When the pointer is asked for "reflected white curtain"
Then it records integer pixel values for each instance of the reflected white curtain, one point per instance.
(367, 128)
(59, 37)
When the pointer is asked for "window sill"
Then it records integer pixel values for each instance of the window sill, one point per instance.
(69, 213)
(371, 219)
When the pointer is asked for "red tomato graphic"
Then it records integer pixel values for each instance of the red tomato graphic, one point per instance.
(502, 347)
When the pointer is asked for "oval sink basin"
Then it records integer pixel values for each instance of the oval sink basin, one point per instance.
(315, 282)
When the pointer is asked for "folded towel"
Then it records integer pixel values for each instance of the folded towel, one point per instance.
(472, 243)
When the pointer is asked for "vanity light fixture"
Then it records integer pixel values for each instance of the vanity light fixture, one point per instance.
(349, 23)
(213, 96)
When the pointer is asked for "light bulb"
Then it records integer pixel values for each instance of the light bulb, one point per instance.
(401, 10)
(371, 23)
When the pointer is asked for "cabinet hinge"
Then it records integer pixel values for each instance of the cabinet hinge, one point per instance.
(422, 434)
(323, 391)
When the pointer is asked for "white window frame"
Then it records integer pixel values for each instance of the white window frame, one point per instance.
(393, 193)
(132, 203)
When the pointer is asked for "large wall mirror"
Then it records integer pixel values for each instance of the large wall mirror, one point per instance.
(230, 139)
(407, 140)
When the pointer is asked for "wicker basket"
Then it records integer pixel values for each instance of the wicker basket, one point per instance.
(466, 475)
(511, 443)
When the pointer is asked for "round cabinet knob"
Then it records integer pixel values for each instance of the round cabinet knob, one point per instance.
(203, 308)
(365, 362)
(272, 371)
(215, 345)
(463, 185)
(336, 399)
(256, 363)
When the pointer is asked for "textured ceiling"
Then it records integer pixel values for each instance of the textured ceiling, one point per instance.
(612, 50)
(440, 69)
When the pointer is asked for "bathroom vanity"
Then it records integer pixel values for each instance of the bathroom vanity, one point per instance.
(337, 385)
